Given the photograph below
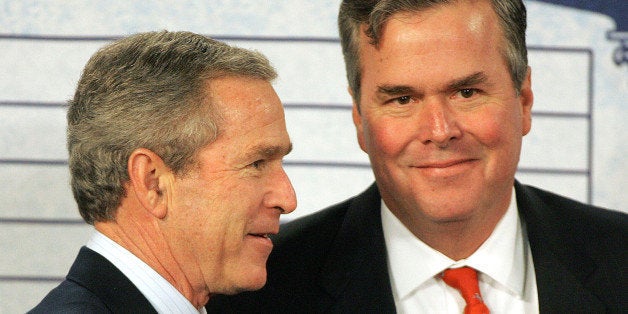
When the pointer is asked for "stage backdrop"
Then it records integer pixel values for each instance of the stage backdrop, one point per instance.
(577, 147)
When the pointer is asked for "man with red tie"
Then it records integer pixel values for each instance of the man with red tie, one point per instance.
(442, 98)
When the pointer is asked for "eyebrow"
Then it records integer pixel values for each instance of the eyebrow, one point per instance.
(395, 89)
(469, 80)
(388, 91)
(270, 151)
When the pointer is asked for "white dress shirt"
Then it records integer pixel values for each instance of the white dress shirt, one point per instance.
(162, 295)
(504, 264)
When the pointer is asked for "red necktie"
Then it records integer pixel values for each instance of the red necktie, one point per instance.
(465, 280)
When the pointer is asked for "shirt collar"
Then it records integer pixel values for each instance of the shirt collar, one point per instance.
(162, 295)
(500, 258)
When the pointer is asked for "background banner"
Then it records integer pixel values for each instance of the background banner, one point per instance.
(577, 146)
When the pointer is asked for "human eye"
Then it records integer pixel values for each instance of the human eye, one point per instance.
(466, 93)
(258, 164)
(402, 100)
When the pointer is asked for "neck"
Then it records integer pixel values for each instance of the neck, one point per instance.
(456, 238)
(143, 239)
(459, 239)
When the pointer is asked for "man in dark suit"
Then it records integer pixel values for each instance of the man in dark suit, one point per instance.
(176, 144)
(442, 98)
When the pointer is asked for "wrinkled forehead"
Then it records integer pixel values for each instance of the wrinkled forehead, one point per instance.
(243, 102)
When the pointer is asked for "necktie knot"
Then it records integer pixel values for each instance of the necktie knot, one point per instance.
(465, 280)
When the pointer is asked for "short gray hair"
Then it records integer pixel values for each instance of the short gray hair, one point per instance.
(147, 90)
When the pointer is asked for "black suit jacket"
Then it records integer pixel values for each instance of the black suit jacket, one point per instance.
(94, 285)
(334, 261)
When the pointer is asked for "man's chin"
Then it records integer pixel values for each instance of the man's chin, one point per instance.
(251, 283)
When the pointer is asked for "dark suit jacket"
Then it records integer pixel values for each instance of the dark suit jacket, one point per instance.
(94, 285)
(334, 261)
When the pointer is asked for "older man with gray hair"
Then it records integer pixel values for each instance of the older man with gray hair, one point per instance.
(176, 144)
(442, 97)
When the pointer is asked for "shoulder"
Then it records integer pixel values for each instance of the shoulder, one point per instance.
(70, 297)
(575, 245)
(546, 204)
(94, 285)
(574, 224)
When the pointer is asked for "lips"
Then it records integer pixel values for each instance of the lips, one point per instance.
(263, 232)
(443, 163)
(261, 235)
(260, 242)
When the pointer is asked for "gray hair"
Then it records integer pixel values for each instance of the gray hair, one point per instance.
(149, 91)
(375, 13)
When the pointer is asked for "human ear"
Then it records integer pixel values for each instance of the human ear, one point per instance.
(145, 169)
(526, 98)
(357, 120)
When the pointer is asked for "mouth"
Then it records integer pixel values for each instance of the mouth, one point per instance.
(443, 164)
(262, 232)
(446, 169)
(260, 235)
(260, 241)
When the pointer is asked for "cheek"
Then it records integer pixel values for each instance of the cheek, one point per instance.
(499, 133)
(495, 128)
(385, 137)
(202, 208)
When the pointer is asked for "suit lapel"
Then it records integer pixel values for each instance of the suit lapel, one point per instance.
(355, 273)
(102, 278)
(561, 270)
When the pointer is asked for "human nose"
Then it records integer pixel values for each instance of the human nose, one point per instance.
(282, 195)
(437, 124)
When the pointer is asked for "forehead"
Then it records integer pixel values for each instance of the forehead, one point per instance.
(438, 38)
(251, 118)
(239, 99)
(474, 19)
